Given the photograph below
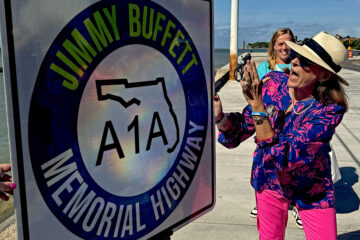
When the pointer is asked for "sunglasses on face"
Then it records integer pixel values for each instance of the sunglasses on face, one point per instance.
(304, 62)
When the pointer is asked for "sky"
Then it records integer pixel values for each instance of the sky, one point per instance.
(258, 19)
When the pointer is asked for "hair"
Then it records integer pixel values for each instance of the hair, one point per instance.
(330, 92)
(271, 53)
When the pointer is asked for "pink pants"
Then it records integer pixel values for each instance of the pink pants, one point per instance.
(273, 214)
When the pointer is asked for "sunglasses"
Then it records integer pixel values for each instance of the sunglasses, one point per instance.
(304, 62)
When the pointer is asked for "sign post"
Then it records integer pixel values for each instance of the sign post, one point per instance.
(110, 116)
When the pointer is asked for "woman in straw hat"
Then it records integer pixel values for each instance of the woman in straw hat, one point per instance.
(294, 118)
(279, 60)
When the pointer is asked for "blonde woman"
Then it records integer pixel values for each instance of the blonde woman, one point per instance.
(278, 53)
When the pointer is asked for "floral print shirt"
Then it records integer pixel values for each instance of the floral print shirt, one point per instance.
(295, 162)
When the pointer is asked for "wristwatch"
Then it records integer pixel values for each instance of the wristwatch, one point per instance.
(271, 110)
(259, 117)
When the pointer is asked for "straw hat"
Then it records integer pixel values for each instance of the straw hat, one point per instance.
(324, 50)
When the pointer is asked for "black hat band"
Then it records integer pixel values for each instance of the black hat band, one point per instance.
(321, 52)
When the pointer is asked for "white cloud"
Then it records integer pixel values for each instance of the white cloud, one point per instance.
(353, 31)
(251, 31)
(222, 27)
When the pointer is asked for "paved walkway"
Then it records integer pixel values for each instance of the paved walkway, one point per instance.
(235, 197)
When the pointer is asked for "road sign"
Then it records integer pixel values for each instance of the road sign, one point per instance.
(110, 115)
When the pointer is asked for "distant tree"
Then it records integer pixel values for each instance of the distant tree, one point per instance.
(258, 45)
(305, 40)
(356, 44)
(249, 45)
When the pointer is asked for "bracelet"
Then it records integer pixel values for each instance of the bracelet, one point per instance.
(260, 114)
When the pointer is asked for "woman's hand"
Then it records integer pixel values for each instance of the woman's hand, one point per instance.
(221, 119)
(218, 108)
(6, 184)
(252, 87)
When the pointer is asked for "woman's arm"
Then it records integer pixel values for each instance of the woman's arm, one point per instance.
(252, 90)
(306, 142)
(234, 128)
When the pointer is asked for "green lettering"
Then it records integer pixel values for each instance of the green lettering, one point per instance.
(83, 51)
(70, 82)
(157, 27)
(187, 48)
(69, 63)
(134, 18)
(99, 32)
(175, 42)
(193, 61)
(147, 35)
(167, 33)
(112, 20)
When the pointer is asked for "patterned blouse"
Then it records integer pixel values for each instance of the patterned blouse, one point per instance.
(295, 162)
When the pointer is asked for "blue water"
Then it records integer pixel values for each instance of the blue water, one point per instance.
(222, 56)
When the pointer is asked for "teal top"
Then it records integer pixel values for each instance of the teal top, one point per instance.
(263, 68)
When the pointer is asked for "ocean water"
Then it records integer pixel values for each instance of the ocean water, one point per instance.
(222, 56)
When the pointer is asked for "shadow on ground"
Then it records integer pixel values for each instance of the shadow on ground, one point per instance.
(349, 235)
(347, 200)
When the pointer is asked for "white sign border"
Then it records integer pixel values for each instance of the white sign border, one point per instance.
(14, 124)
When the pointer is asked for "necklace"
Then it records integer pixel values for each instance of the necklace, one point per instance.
(302, 111)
